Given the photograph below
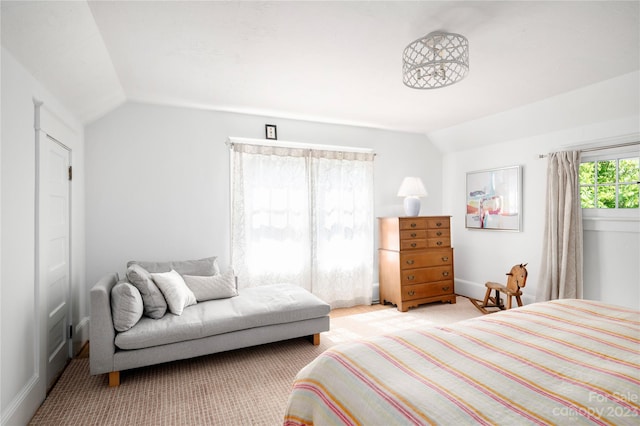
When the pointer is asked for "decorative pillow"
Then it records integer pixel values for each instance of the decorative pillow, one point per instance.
(175, 291)
(206, 266)
(214, 287)
(126, 306)
(154, 304)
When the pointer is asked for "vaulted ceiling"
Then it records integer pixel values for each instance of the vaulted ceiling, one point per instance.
(324, 61)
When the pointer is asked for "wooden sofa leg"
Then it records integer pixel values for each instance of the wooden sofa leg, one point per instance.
(114, 378)
(316, 339)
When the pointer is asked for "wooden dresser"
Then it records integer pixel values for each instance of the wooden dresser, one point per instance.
(415, 261)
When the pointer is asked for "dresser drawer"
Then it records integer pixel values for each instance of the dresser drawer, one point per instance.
(433, 257)
(413, 223)
(413, 244)
(412, 235)
(437, 222)
(426, 275)
(438, 233)
(438, 242)
(420, 291)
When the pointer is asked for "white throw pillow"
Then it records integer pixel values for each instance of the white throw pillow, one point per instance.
(175, 291)
(213, 287)
(126, 306)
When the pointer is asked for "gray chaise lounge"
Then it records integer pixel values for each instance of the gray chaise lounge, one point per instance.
(256, 316)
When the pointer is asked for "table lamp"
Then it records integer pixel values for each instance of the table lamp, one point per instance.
(412, 189)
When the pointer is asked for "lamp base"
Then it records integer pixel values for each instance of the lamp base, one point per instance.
(412, 206)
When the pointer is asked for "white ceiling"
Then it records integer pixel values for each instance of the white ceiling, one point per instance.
(323, 61)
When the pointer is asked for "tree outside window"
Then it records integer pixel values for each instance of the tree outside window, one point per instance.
(610, 184)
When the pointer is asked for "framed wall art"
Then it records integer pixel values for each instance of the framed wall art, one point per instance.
(494, 199)
(270, 131)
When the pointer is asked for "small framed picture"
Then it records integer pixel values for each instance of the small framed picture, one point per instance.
(270, 131)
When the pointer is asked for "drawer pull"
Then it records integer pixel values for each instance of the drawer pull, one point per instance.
(413, 244)
(439, 233)
(439, 243)
(413, 225)
(410, 262)
(411, 277)
(439, 224)
(445, 288)
(445, 274)
(411, 293)
(413, 235)
(445, 258)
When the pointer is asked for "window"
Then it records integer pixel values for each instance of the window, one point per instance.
(304, 216)
(610, 182)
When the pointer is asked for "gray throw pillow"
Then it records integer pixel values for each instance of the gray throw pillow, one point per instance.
(126, 306)
(220, 286)
(154, 304)
(206, 266)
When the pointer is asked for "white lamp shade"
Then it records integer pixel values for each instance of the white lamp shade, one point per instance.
(412, 187)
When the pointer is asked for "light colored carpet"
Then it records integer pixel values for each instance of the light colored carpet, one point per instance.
(242, 387)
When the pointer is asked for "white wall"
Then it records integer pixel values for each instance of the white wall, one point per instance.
(21, 370)
(158, 179)
(610, 275)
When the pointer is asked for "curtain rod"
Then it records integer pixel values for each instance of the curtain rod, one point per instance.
(301, 145)
(600, 148)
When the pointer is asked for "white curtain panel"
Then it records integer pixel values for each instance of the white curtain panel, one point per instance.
(342, 227)
(304, 217)
(562, 258)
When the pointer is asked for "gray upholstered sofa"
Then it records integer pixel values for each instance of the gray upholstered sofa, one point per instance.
(255, 316)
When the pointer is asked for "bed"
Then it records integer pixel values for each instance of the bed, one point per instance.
(559, 362)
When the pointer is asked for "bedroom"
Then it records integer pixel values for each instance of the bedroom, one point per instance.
(598, 109)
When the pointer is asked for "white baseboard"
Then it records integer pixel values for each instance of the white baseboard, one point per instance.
(81, 335)
(25, 404)
(375, 294)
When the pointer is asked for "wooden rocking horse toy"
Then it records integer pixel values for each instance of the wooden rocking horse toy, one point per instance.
(517, 279)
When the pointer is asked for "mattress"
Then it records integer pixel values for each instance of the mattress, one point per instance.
(557, 362)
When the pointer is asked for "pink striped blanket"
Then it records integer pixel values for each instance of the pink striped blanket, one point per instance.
(559, 362)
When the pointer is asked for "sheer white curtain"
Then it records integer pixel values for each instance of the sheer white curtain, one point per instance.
(304, 217)
(342, 227)
(562, 257)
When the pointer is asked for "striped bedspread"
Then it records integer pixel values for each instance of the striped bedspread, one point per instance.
(560, 362)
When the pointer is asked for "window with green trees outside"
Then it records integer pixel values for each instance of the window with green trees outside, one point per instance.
(610, 183)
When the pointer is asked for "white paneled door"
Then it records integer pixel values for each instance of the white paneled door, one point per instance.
(54, 233)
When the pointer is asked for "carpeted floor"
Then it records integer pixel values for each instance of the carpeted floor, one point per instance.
(242, 387)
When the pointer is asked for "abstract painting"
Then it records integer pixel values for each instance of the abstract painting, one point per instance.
(494, 199)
